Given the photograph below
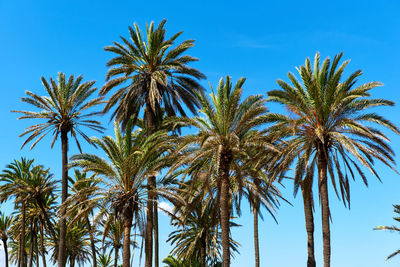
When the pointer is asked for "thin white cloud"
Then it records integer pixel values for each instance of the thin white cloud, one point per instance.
(165, 207)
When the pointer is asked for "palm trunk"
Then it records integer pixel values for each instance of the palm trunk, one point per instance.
(31, 248)
(306, 189)
(323, 190)
(225, 211)
(64, 194)
(203, 251)
(92, 244)
(126, 251)
(42, 245)
(36, 247)
(150, 125)
(256, 241)
(149, 225)
(116, 250)
(22, 262)
(72, 262)
(5, 250)
(155, 226)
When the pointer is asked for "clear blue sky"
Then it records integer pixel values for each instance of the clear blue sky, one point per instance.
(261, 40)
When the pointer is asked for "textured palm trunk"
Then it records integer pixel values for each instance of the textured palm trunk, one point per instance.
(256, 241)
(225, 211)
(116, 250)
(4, 240)
(155, 228)
(43, 251)
(148, 243)
(22, 262)
(306, 190)
(64, 194)
(149, 223)
(323, 190)
(126, 250)
(92, 244)
(72, 261)
(203, 251)
(31, 247)
(36, 247)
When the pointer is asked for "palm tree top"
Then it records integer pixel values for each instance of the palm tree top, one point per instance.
(331, 116)
(158, 73)
(63, 110)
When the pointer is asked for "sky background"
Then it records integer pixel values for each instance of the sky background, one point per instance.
(260, 40)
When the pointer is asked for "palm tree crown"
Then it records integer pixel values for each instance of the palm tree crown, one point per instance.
(156, 74)
(62, 110)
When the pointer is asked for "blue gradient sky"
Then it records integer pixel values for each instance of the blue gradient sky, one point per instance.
(261, 40)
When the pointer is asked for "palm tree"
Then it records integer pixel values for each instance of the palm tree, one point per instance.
(259, 190)
(30, 185)
(198, 238)
(63, 112)
(151, 74)
(5, 224)
(81, 204)
(104, 260)
(14, 179)
(330, 129)
(113, 231)
(392, 229)
(225, 133)
(77, 245)
(130, 162)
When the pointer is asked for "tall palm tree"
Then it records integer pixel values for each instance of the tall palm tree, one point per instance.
(225, 133)
(330, 128)
(130, 161)
(63, 112)
(151, 73)
(392, 229)
(5, 224)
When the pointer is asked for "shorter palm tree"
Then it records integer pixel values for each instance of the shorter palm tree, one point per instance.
(131, 159)
(5, 224)
(198, 238)
(392, 229)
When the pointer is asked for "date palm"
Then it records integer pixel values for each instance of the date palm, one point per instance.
(226, 131)
(77, 244)
(392, 229)
(151, 72)
(63, 111)
(331, 129)
(5, 224)
(130, 160)
(81, 204)
(198, 238)
(14, 179)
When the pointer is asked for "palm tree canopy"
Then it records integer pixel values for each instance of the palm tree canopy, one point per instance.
(131, 158)
(64, 109)
(330, 116)
(152, 73)
(227, 125)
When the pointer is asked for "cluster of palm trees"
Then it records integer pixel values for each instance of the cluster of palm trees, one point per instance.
(236, 149)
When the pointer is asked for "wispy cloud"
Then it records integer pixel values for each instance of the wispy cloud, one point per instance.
(165, 207)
